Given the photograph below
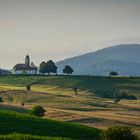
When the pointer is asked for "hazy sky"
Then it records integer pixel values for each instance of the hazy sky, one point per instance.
(58, 29)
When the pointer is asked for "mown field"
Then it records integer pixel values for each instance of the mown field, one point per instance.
(56, 95)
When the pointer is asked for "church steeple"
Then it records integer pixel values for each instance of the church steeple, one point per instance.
(27, 60)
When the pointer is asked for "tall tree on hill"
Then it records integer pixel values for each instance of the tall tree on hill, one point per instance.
(68, 70)
(42, 67)
(51, 67)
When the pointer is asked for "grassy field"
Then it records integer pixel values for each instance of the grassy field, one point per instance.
(55, 94)
(89, 83)
(14, 122)
(16, 136)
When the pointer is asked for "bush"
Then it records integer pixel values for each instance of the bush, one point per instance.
(75, 89)
(117, 100)
(38, 111)
(123, 95)
(23, 104)
(28, 87)
(10, 99)
(110, 95)
(118, 133)
(1, 100)
(132, 97)
(105, 94)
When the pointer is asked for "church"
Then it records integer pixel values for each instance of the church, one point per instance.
(26, 68)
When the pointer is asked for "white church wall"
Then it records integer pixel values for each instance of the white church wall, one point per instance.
(25, 72)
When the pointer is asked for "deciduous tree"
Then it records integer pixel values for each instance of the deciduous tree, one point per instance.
(51, 67)
(42, 67)
(68, 70)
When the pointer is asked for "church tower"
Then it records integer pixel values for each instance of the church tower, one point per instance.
(27, 60)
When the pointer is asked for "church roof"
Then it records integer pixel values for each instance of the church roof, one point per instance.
(24, 67)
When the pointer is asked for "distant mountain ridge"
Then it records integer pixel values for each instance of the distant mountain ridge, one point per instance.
(125, 59)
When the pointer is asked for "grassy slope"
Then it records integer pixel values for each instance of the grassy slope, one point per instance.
(57, 97)
(15, 136)
(13, 122)
(83, 82)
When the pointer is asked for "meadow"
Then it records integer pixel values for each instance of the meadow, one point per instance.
(56, 95)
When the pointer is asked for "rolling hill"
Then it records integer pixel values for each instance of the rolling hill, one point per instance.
(56, 95)
(125, 59)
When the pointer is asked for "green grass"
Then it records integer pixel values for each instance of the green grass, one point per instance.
(14, 122)
(55, 94)
(88, 83)
(15, 136)
(14, 108)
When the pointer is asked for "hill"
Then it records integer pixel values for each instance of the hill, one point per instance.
(121, 58)
(14, 122)
(86, 83)
(56, 95)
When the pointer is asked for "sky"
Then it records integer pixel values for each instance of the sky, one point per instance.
(59, 29)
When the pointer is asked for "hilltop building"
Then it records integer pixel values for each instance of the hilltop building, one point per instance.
(26, 68)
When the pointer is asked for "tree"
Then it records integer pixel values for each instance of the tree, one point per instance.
(68, 70)
(51, 67)
(118, 133)
(42, 67)
(38, 111)
(113, 73)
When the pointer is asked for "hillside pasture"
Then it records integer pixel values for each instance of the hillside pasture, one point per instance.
(56, 95)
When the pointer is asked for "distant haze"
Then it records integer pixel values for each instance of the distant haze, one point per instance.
(59, 29)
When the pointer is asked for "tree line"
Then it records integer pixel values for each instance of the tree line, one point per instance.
(50, 67)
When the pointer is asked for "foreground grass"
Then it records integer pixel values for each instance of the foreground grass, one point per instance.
(13, 122)
(16, 136)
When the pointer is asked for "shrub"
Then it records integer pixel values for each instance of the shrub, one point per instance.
(123, 95)
(10, 98)
(117, 100)
(38, 111)
(1, 100)
(132, 97)
(118, 95)
(75, 89)
(23, 104)
(118, 133)
(28, 87)
(105, 94)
